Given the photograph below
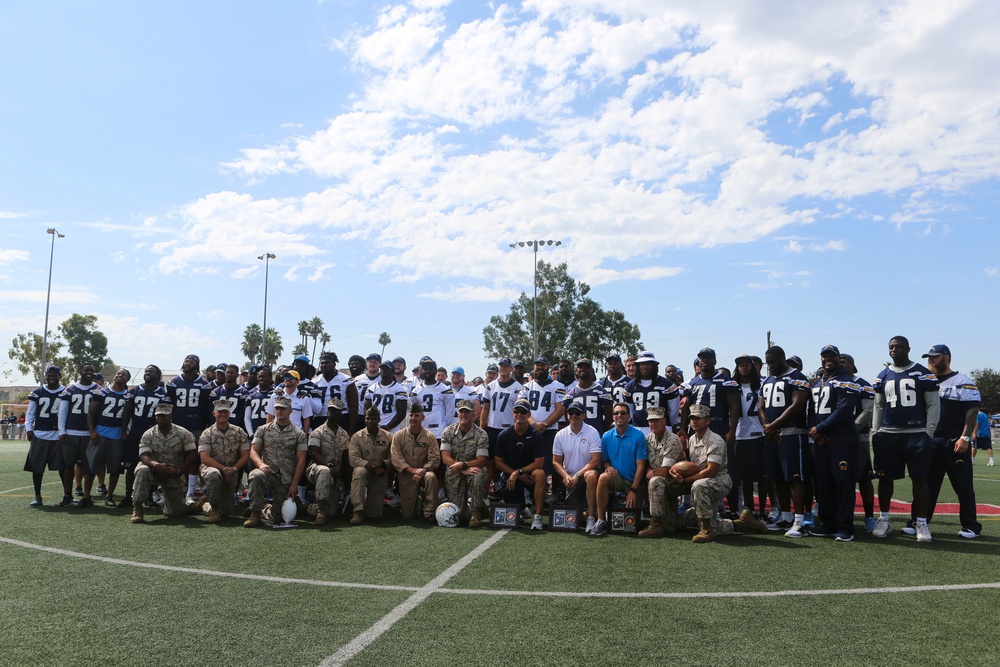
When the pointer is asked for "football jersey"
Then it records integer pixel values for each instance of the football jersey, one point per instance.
(327, 390)
(144, 402)
(43, 413)
(465, 393)
(385, 397)
(363, 382)
(255, 414)
(867, 394)
(748, 427)
(834, 402)
(109, 419)
(500, 398)
(594, 398)
(658, 393)
(776, 394)
(439, 405)
(905, 406)
(74, 404)
(237, 402)
(616, 388)
(544, 399)
(192, 404)
(714, 393)
(959, 394)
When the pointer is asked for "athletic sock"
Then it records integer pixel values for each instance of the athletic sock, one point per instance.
(36, 481)
(800, 517)
(921, 521)
(192, 481)
(302, 492)
(787, 516)
(883, 515)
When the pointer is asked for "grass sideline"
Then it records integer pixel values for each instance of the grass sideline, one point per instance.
(64, 610)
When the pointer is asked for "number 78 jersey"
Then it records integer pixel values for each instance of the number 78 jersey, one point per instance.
(903, 391)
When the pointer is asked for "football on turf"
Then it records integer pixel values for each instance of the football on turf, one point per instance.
(447, 515)
(686, 468)
(288, 510)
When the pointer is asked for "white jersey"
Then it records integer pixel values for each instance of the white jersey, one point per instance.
(363, 382)
(748, 427)
(301, 407)
(464, 393)
(544, 399)
(334, 388)
(439, 405)
(385, 397)
(501, 399)
(616, 387)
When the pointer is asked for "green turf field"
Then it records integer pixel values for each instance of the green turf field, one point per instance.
(86, 587)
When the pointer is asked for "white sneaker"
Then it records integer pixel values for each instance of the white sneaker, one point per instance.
(590, 525)
(923, 532)
(536, 523)
(882, 527)
(968, 534)
(990, 463)
(797, 530)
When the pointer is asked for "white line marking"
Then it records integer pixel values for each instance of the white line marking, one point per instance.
(727, 594)
(211, 573)
(27, 488)
(366, 638)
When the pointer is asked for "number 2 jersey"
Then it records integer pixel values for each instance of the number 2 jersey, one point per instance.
(906, 399)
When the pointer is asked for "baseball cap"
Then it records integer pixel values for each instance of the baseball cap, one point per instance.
(374, 355)
(283, 402)
(294, 374)
(253, 368)
(301, 357)
(522, 403)
(504, 361)
(613, 356)
(742, 356)
(427, 361)
(542, 360)
(794, 360)
(493, 367)
(335, 404)
(163, 408)
(518, 362)
(577, 406)
(706, 352)
(222, 404)
(54, 369)
(936, 350)
(584, 362)
(831, 349)
(399, 360)
(464, 405)
(459, 370)
(386, 364)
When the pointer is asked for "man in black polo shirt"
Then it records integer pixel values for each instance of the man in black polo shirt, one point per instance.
(520, 458)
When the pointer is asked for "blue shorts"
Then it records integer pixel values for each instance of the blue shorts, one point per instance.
(748, 456)
(789, 460)
(896, 453)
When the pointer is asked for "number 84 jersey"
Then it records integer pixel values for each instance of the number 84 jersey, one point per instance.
(903, 391)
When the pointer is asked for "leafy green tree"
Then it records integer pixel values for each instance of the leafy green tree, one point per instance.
(26, 351)
(988, 381)
(570, 324)
(384, 339)
(274, 346)
(252, 339)
(324, 340)
(85, 343)
(315, 329)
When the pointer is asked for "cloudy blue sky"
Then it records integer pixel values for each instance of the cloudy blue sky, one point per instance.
(825, 171)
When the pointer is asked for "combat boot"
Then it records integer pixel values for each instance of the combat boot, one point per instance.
(358, 518)
(215, 516)
(474, 520)
(748, 523)
(654, 529)
(320, 513)
(138, 514)
(705, 534)
(253, 521)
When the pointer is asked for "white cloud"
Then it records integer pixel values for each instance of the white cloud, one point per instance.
(11, 214)
(9, 256)
(833, 245)
(59, 296)
(473, 293)
(992, 271)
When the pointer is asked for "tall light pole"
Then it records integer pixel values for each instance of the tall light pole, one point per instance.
(534, 322)
(48, 299)
(267, 257)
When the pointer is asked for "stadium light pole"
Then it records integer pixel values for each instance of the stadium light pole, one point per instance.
(48, 299)
(534, 321)
(267, 257)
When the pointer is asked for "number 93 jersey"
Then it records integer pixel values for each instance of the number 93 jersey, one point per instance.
(903, 391)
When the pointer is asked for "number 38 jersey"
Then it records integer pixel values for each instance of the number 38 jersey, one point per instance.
(903, 390)
(776, 394)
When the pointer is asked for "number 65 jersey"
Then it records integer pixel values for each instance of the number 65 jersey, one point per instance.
(905, 405)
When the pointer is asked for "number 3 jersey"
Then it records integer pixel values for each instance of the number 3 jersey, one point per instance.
(907, 397)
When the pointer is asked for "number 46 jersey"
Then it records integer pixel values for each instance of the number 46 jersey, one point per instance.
(903, 390)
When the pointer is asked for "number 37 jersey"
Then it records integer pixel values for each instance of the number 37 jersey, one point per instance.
(903, 391)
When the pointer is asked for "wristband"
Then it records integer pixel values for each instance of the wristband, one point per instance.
(634, 490)
(520, 471)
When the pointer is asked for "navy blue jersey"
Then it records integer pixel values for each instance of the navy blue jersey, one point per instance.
(237, 402)
(595, 398)
(867, 394)
(144, 402)
(43, 409)
(109, 419)
(192, 404)
(661, 393)
(959, 394)
(903, 391)
(834, 400)
(776, 395)
(713, 393)
(615, 387)
(75, 401)
(256, 410)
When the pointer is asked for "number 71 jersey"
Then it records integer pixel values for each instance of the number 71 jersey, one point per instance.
(904, 406)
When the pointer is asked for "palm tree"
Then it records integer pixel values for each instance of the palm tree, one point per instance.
(384, 339)
(274, 346)
(315, 329)
(252, 339)
(324, 340)
(304, 332)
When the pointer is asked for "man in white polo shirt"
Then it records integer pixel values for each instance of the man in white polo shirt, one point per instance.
(576, 458)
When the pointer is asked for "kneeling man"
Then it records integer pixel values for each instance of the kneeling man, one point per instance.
(415, 456)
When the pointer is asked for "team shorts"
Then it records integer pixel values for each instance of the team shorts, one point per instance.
(748, 460)
(515, 496)
(493, 434)
(107, 455)
(789, 460)
(899, 452)
(865, 471)
(42, 453)
(74, 450)
(983, 443)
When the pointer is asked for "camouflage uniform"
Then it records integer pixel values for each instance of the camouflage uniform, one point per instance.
(416, 451)
(168, 449)
(708, 492)
(226, 448)
(278, 447)
(663, 491)
(465, 447)
(367, 448)
(331, 446)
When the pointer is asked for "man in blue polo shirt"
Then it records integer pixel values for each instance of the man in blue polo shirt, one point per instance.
(623, 451)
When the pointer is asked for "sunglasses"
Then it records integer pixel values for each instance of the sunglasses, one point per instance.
(619, 412)
(520, 411)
